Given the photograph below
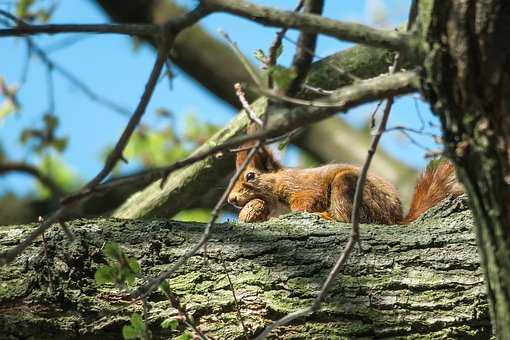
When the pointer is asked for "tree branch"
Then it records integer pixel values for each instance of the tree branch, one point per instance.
(141, 30)
(402, 285)
(47, 181)
(330, 140)
(304, 55)
(271, 16)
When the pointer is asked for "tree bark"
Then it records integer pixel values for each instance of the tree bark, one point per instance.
(467, 81)
(417, 281)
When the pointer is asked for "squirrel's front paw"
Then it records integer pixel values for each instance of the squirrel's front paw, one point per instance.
(255, 210)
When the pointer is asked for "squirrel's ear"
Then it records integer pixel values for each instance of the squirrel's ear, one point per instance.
(263, 160)
(241, 156)
(266, 161)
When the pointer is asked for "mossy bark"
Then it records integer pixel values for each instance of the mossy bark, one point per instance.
(467, 81)
(416, 281)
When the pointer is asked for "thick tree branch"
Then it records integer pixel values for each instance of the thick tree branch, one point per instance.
(402, 285)
(312, 23)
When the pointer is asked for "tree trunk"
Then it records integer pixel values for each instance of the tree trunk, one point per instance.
(467, 81)
(419, 281)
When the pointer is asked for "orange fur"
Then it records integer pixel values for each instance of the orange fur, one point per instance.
(434, 185)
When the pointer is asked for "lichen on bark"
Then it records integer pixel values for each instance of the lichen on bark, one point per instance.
(420, 280)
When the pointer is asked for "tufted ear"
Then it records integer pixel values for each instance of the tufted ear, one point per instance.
(263, 161)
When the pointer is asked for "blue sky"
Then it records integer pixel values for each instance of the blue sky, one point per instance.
(110, 65)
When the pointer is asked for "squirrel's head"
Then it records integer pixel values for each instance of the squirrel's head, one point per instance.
(256, 180)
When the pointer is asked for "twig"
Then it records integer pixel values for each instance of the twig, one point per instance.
(67, 231)
(73, 79)
(277, 44)
(246, 63)
(252, 116)
(305, 49)
(142, 30)
(401, 83)
(176, 303)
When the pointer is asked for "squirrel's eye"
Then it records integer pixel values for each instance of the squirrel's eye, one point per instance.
(250, 176)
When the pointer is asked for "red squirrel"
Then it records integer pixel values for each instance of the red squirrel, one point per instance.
(267, 189)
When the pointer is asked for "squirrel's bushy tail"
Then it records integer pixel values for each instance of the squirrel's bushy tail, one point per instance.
(435, 184)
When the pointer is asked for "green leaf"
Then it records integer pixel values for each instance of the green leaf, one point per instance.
(112, 250)
(184, 336)
(23, 7)
(6, 108)
(165, 287)
(129, 332)
(137, 322)
(282, 76)
(134, 265)
(170, 324)
(105, 274)
(260, 56)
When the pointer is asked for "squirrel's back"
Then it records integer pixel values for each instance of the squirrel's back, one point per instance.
(435, 184)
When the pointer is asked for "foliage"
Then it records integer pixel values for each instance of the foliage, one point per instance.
(121, 269)
(163, 146)
(53, 166)
(136, 329)
(45, 137)
(27, 11)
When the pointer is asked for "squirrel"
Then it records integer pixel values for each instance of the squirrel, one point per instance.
(266, 189)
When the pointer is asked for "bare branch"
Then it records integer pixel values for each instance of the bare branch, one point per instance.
(312, 23)
(277, 44)
(246, 106)
(343, 98)
(142, 30)
(305, 49)
(45, 180)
